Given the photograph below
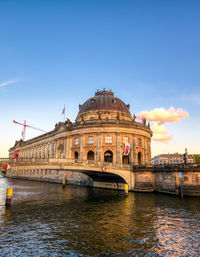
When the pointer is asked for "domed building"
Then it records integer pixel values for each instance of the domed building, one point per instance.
(104, 133)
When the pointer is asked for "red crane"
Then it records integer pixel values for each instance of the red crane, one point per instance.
(24, 129)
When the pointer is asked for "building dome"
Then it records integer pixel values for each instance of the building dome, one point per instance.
(104, 100)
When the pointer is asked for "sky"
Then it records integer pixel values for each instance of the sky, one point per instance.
(56, 53)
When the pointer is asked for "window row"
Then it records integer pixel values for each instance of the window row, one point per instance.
(108, 157)
(108, 140)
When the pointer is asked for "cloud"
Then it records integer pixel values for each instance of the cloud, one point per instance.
(159, 133)
(159, 116)
(9, 82)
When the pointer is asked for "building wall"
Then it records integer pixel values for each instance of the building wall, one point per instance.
(64, 145)
(172, 159)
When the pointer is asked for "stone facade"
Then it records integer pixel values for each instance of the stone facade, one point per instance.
(98, 136)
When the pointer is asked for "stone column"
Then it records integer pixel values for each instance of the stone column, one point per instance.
(101, 151)
(82, 141)
(65, 147)
(98, 147)
(145, 152)
(117, 148)
(70, 147)
(134, 152)
(149, 150)
(56, 148)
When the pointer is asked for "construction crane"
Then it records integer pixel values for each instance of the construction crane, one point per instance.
(24, 129)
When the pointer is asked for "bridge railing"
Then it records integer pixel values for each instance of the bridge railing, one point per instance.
(64, 161)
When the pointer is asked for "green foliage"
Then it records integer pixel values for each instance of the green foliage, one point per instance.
(197, 158)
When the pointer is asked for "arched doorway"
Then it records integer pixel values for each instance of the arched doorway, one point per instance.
(125, 159)
(108, 156)
(139, 158)
(76, 156)
(90, 156)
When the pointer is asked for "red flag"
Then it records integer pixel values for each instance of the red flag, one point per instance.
(7, 167)
(63, 111)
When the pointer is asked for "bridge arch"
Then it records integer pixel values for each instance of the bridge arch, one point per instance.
(100, 179)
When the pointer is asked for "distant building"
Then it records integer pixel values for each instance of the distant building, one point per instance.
(172, 159)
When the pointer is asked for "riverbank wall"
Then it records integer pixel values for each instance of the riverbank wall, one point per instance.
(171, 179)
(183, 180)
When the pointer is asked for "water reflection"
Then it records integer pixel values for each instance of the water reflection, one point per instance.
(46, 220)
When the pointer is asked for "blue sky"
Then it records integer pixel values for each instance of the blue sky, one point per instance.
(60, 52)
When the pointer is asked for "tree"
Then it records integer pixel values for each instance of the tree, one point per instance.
(197, 158)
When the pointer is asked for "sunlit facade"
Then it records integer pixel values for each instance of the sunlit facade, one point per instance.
(104, 132)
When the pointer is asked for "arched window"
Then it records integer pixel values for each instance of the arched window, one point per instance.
(125, 159)
(90, 156)
(108, 156)
(139, 158)
(76, 155)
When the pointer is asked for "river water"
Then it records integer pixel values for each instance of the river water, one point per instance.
(47, 220)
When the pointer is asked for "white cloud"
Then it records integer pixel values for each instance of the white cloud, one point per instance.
(9, 82)
(159, 116)
(159, 133)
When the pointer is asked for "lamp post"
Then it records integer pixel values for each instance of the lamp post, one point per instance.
(185, 156)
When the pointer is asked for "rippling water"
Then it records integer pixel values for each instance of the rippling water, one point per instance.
(46, 220)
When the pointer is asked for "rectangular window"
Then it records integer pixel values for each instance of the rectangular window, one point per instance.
(90, 140)
(108, 139)
(76, 141)
(125, 140)
(139, 141)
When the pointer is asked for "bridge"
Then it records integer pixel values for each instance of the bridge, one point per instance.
(160, 178)
(26, 167)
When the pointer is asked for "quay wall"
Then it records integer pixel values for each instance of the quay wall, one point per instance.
(163, 179)
(50, 174)
(174, 179)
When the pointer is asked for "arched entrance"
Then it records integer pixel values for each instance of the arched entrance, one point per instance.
(76, 156)
(139, 158)
(90, 156)
(125, 159)
(108, 156)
